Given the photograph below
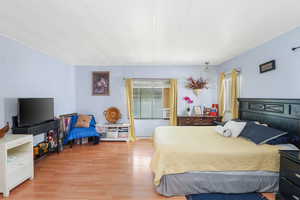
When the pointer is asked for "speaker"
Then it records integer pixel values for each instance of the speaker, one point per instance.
(15, 122)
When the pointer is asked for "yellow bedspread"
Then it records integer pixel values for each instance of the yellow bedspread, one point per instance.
(182, 149)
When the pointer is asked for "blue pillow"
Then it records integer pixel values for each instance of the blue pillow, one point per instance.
(260, 134)
(280, 140)
(285, 139)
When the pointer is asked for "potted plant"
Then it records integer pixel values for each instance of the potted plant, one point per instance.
(196, 85)
(188, 102)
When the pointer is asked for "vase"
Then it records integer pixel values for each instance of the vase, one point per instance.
(197, 91)
(188, 111)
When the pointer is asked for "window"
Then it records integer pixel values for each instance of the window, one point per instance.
(151, 99)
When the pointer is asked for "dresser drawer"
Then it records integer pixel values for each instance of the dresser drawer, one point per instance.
(288, 190)
(290, 170)
(197, 120)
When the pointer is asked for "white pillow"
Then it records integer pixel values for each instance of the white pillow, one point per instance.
(235, 127)
(222, 131)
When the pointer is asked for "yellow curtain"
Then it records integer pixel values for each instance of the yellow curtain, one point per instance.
(234, 94)
(221, 95)
(129, 94)
(173, 102)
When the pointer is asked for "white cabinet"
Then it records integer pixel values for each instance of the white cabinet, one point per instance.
(16, 161)
(114, 132)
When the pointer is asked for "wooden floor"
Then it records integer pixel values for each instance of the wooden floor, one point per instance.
(118, 171)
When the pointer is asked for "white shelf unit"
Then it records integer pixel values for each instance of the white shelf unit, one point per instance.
(16, 156)
(114, 132)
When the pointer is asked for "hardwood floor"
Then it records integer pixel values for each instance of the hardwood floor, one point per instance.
(108, 171)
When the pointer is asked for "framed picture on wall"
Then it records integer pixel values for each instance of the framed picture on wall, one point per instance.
(100, 83)
(268, 66)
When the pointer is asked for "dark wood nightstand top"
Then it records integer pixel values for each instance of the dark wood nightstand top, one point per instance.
(291, 154)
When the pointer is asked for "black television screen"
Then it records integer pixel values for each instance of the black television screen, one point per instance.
(35, 110)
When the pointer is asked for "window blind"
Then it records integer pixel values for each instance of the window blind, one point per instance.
(151, 83)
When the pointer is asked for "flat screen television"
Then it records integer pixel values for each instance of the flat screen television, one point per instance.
(35, 111)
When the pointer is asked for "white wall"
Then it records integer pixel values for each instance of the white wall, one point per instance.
(28, 73)
(280, 83)
(86, 103)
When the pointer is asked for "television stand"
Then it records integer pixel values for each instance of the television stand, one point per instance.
(41, 128)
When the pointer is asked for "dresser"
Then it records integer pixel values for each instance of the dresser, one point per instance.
(289, 178)
(197, 120)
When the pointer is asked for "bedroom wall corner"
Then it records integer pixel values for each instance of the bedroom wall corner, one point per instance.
(280, 83)
(29, 73)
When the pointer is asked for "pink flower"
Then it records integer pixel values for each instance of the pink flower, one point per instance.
(186, 98)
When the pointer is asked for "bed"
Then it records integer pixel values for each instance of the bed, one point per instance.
(189, 160)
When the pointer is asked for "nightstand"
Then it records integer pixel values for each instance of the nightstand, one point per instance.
(289, 178)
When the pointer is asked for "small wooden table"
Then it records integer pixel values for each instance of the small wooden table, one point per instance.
(197, 120)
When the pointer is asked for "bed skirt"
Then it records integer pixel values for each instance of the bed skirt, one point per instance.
(218, 182)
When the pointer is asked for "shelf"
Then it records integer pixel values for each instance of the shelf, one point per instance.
(113, 125)
(111, 130)
(17, 159)
(16, 154)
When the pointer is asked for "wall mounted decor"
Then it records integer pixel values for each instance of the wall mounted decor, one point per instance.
(100, 84)
(268, 66)
(196, 85)
(112, 115)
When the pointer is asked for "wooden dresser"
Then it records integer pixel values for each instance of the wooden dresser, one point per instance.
(197, 120)
(289, 179)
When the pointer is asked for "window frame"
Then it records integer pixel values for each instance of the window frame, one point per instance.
(139, 117)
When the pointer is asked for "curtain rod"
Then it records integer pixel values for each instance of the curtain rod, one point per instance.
(238, 70)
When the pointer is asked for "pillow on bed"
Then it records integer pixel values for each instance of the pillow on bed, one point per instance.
(222, 131)
(260, 134)
(237, 120)
(235, 127)
(285, 139)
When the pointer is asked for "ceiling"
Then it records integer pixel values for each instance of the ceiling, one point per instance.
(146, 32)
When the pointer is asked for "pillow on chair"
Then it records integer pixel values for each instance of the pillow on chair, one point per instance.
(83, 121)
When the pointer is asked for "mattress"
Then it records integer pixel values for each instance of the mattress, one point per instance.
(185, 149)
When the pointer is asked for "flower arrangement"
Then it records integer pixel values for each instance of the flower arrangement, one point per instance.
(196, 83)
(188, 101)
